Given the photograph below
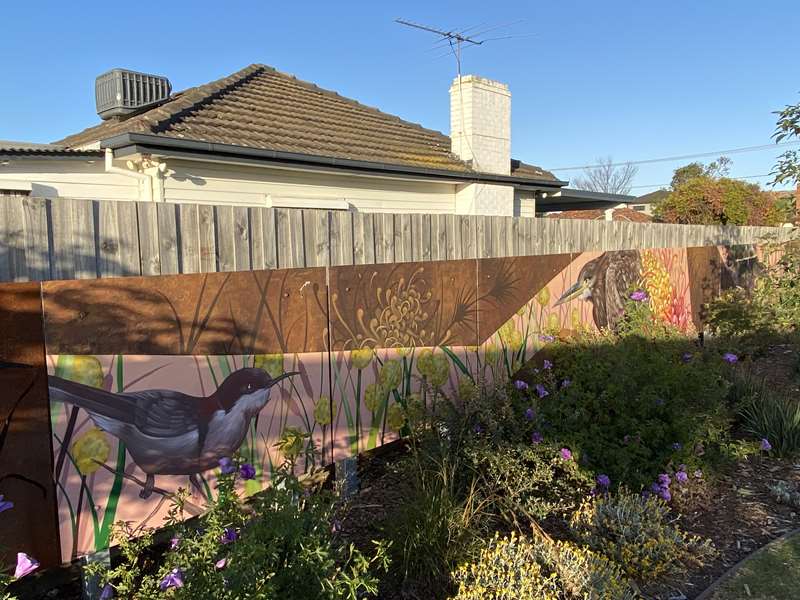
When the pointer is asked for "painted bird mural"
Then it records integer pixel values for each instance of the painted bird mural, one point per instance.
(172, 433)
(606, 282)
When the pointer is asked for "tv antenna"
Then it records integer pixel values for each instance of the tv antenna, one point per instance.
(457, 40)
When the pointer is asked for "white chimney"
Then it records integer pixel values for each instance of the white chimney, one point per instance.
(480, 123)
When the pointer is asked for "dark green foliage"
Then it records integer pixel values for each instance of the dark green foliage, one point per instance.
(634, 404)
(775, 418)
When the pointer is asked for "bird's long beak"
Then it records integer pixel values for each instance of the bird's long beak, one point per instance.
(284, 376)
(573, 292)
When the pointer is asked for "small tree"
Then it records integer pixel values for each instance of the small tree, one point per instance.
(607, 177)
(788, 127)
(704, 195)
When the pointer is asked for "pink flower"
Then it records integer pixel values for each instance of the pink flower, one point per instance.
(221, 563)
(25, 565)
(566, 454)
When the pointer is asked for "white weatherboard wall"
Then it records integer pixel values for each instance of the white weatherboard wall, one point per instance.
(82, 179)
(211, 183)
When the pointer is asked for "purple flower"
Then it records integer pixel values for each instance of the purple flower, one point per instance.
(547, 364)
(221, 563)
(336, 526)
(229, 535)
(247, 471)
(604, 481)
(226, 466)
(541, 391)
(547, 338)
(655, 487)
(566, 454)
(478, 428)
(536, 437)
(25, 565)
(626, 439)
(565, 383)
(660, 402)
(108, 592)
(530, 414)
(730, 357)
(681, 477)
(639, 296)
(664, 480)
(174, 543)
(687, 357)
(5, 504)
(520, 385)
(173, 579)
(676, 446)
(665, 494)
(765, 445)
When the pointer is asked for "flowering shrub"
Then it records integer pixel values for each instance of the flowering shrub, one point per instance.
(629, 405)
(529, 481)
(522, 568)
(636, 532)
(280, 545)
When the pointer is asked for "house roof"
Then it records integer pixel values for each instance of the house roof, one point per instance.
(262, 108)
(655, 196)
(619, 214)
(8, 147)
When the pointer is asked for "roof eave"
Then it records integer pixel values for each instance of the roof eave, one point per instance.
(156, 144)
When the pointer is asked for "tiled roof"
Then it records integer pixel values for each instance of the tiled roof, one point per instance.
(598, 214)
(259, 107)
(28, 148)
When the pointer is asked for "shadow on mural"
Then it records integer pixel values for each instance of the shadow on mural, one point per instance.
(153, 380)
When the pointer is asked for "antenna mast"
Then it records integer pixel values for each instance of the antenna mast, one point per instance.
(454, 38)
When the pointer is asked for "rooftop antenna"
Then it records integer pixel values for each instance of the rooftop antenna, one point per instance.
(454, 38)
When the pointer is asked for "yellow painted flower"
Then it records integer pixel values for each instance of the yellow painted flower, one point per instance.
(361, 358)
(81, 369)
(467, 390)
(435, 367)
(291, 442)
(509, 334)
(391, 374)
(90, 450)
(271, 363)
(575, 319)
(373, 395)
(491, 353)
(543, 297)
(324, 411)
(396, 417)
(553, 323)
(415, 410)
(655, 278)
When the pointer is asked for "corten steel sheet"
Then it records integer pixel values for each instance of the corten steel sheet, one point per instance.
(25, 453)
(704, 266)
(216, 313)
(507, 284)
(404, 305)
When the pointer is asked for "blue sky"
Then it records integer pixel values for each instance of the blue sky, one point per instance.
(632, 80)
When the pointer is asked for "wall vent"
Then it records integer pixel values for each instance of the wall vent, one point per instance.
(120, 92)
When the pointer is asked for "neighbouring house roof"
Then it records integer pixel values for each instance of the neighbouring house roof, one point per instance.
(656, 196)
(619, 214)
(262, 108)
(12, 148)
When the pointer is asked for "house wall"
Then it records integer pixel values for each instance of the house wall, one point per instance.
(524, 204)
(209, 183)
(82, 179)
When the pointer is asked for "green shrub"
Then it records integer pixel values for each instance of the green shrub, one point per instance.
(629, 405)
(529, 482)
(280, 545)
(637, 533)
(535, 568)
(776, 419)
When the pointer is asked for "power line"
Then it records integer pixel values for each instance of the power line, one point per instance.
(715, 153)
(633, 187)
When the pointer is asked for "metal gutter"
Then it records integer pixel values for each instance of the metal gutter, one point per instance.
(129, 143)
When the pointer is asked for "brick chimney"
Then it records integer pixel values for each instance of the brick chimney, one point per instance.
(480, 123)
(480, 133)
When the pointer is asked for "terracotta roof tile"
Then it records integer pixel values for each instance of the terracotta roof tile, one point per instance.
(598, 214)
(259, 107)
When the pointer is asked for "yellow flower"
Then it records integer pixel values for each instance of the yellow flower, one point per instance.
(491, 353)
(373, 394)
(435, 367)
(324, 411)
(81, 369)
(361, 358)
(395, 417)
(291, 442)
(553, 323)
(543, 297)
(575, 319)
(467, 390)
(271, 363)
(391, 374)
(509, 334)
(89, 450)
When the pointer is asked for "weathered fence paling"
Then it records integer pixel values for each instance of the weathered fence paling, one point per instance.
(77, 239)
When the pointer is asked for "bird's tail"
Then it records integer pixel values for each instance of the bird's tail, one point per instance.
(100, 402)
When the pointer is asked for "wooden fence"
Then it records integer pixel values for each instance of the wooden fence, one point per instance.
(74, 239)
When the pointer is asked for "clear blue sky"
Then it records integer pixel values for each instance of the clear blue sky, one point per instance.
(632, 80)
